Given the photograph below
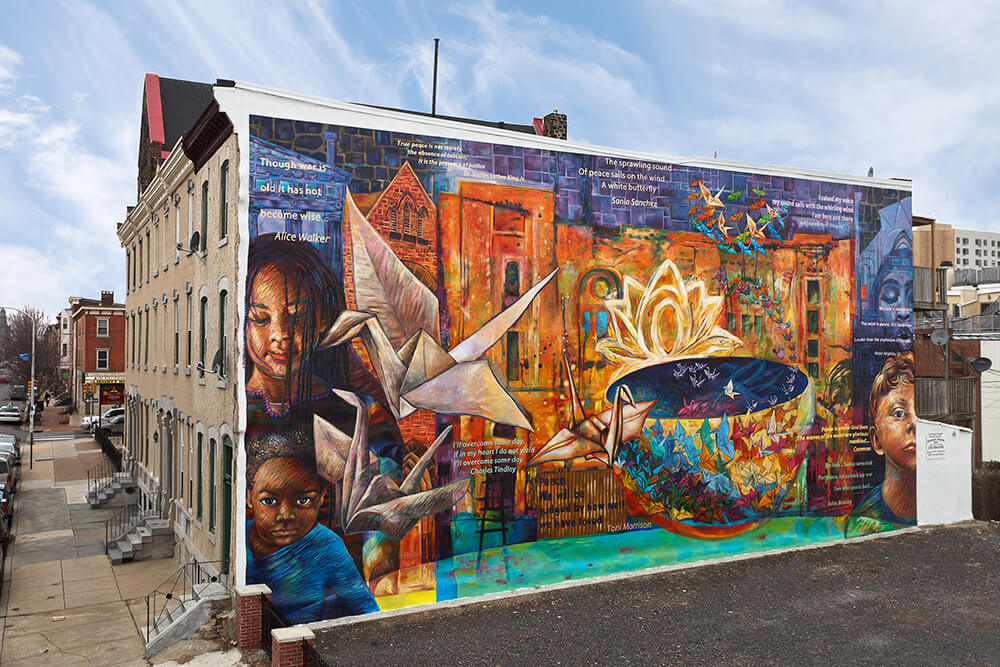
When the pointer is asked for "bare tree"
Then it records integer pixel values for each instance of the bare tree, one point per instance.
(17, 341)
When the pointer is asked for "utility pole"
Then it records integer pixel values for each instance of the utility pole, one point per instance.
(31, 397)
(434, 94)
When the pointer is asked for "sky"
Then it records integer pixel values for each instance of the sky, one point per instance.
(909, 88)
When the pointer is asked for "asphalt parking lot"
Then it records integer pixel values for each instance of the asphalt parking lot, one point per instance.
(928, 596)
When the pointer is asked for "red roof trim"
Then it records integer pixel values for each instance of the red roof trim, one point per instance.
(538, 123)
(154, 109)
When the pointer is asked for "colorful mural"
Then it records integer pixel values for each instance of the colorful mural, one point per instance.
(473, 367)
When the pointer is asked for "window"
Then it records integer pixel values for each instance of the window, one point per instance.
(222, 331)
(812, 321)
(813, 350)
(177, 334)
(180, 462)
(139, 257)
(65, 349)
(201, 334)
(204, 215)
(149, 255)
(102, 326)
(814, 370)
(145, 347)
(128, 269)
(190, 494)
(512, 288)
(812, 292)
(136, 338)
(211, 485)
(189, 331)
(65, 324)
(223, 199)
(201, 449)
(102, 359)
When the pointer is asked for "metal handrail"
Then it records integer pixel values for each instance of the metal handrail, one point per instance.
(119, 524)
(182, 585)
(99, 476)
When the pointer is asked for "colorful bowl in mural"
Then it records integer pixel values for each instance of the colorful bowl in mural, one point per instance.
(721, 448)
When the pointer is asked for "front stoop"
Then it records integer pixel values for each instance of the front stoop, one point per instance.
(186, 616)
(151, 538)
(118, 491)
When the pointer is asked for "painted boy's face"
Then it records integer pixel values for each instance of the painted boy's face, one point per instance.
(275, 322)
(285, 498)
(895, 430)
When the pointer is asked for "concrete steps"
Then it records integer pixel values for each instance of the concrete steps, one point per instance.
(183, 617)
(149, 538)
(117, 491)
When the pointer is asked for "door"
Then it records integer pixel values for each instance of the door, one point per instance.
(227, 501)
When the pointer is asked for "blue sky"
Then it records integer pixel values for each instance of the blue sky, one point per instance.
(910, 88)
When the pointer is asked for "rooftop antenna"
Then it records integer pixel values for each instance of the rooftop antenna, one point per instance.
(434, 94)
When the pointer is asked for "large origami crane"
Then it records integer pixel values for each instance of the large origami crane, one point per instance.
(597, 437)
(371, 501)
(397, 322)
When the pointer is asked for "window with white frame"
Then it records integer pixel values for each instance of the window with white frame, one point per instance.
(102, 326)
(102, 359)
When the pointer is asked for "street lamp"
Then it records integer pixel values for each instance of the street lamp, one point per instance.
(31, 396)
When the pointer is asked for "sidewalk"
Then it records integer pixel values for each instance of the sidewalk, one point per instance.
(62, 601)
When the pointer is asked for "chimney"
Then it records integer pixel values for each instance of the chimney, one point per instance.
(107, 298)
(554, 125)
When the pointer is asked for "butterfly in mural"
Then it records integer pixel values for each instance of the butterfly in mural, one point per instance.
(759, 192)
(733, 196)
(599, 436)
(397, 322)
(372, 501)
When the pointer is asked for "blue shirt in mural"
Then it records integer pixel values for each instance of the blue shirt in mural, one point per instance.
(873, 516)
(312, 579)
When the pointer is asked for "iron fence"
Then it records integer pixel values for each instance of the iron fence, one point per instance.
(270, 618)
(311, 657)
(110, 450)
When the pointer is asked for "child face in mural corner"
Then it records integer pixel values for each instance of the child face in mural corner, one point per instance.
(894, 433)
(276, 315)
(284, 501)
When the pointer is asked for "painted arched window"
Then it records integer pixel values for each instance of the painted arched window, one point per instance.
(511, 290)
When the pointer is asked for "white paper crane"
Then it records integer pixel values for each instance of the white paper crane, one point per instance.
(371, 501)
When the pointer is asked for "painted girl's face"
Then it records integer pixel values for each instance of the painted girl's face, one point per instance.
(276, 319)
(285, 498)
(895, 430)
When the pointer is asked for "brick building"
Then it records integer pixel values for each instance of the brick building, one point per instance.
(98, 348)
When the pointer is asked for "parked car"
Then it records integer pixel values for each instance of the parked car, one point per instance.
(18, 392)
(6, 506)
(114, 425)
(8, 447)
(12, 439)
(90, 422)
(9, 472)
(4, 379)
(11, 414)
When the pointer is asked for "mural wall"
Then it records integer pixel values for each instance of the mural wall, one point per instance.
(473, 367)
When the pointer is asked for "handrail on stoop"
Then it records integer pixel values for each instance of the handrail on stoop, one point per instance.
(180, 585)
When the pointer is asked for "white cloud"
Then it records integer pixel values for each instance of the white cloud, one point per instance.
(10, 61)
